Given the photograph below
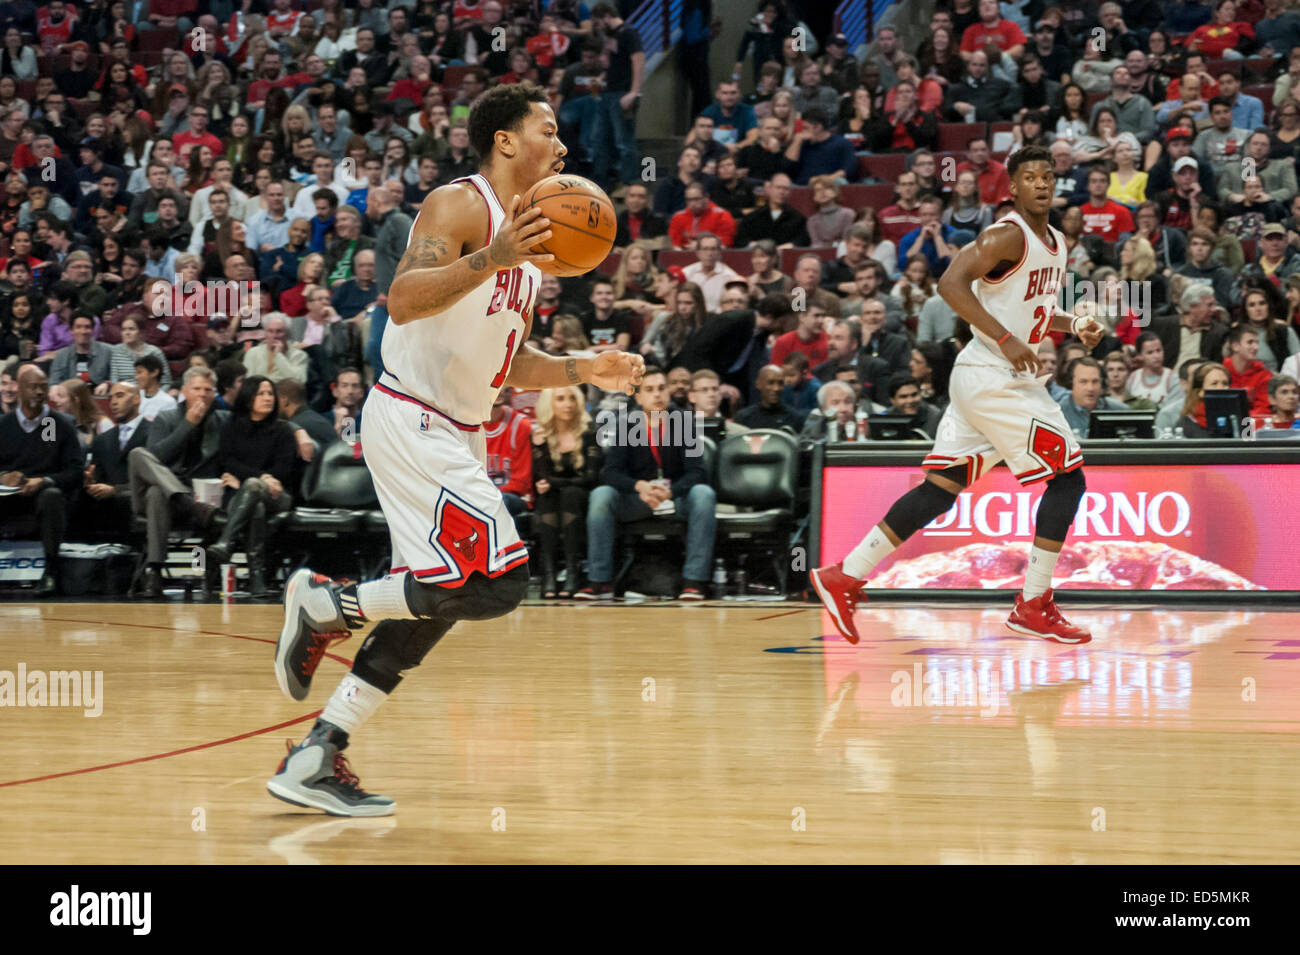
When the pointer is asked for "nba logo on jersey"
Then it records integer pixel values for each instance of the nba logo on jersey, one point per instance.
(424, 421)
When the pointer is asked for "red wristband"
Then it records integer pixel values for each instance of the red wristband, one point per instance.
(1003, 339)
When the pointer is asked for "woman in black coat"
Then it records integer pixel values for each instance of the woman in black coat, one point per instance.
(257, 455)
(566, 466)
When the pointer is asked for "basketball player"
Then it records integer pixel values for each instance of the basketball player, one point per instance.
(1005, 285)
(460, 312)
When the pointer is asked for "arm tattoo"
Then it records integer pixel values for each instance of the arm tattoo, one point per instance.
(422, 253)
(571, 371)
(478, 261)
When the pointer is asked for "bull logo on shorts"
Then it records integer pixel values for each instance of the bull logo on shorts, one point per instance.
(756, 442)
(465, 546)
(1048, 445)
(464, 538)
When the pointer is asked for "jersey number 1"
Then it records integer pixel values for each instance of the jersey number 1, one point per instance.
(505, 365)
(1042, 320)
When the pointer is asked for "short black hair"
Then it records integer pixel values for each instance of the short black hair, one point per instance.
(900, 380)
(502, 107)
(775, 305)
(1028, 154)
(228, 372)
(242, 407)
(329, 195)
(150, 363)
(816, 115)
(1219, 101)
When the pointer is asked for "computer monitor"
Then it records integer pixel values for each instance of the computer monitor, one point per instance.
(1225, 411)
(894, 427)
(1107, 423)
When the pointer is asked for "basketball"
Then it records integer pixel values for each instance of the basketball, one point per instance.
(583, 223)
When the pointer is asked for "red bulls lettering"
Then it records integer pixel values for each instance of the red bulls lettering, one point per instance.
(510, 293)
(499, 293)
(1044, 281)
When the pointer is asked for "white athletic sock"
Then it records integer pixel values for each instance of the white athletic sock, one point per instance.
(1038, 575)
(385, 598)
(870, 551)
(354, 701)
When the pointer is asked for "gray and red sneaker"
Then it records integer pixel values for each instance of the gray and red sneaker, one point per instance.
(840, 595)
(316, 774)
(1040, 617)
(314, 617)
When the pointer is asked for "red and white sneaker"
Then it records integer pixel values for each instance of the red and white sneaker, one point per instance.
(1040, 617)
(839, 594)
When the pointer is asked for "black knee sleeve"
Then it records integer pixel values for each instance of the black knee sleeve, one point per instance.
(394, 646)
(1059, 502)
(917, 508)
(479, 598)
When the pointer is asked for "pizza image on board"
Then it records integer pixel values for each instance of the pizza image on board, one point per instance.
(1085, 565)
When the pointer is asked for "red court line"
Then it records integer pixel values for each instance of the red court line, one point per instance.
(187, 749)
(175, 752)
(785, 614)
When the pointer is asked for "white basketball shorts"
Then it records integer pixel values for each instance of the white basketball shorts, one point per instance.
(445, 517)
(996, 415)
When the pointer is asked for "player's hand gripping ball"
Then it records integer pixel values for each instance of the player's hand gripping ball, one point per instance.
(583, 223)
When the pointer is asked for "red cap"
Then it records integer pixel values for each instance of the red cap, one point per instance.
(677, 273)
(1178, 132)
(79, 43)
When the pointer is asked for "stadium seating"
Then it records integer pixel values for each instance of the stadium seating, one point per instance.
(758, 471)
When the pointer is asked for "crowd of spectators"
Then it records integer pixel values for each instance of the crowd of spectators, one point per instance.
(155, 150)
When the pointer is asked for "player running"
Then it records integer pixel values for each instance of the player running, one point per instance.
(1005, 284)
(460, 312)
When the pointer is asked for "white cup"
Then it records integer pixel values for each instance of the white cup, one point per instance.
(207, 491)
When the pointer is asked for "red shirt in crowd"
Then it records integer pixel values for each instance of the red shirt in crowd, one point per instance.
(815, 349)
(52, 34)
(1108, 220)
(1004, 33)
(545, 47)
(1255, 380)
(896, 222)
(1213, 39)
(286, 22)
(994, 182)
(184, 141)
(1175, 90)
(685, 225)
(510, 453)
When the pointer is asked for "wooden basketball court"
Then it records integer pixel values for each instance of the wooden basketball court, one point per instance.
(667, 733)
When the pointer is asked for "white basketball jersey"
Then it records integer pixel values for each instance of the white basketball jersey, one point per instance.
(1024, 299)
(456, 361)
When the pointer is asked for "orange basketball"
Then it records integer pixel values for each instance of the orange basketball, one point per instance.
(583, 223)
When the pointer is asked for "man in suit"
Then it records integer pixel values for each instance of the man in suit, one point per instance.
(105, 508)
(85, 358)
(639, 476)
(183, 445)
(784, 225)
(40, 456)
